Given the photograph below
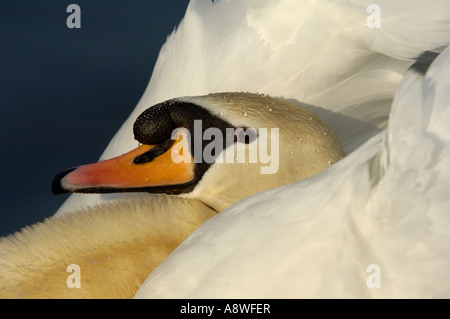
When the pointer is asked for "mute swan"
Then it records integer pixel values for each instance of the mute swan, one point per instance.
(322, 53)
(299, 144)
(374, 225)
(116, 260)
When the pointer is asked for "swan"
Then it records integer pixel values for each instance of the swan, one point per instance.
(381, 209)
(374, 225)
(318, 53)
(250, 129)
(117, 259)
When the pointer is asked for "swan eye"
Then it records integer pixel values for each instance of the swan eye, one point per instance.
(153, 153)
(245, 135)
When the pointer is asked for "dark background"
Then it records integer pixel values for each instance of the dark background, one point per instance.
(65, 92)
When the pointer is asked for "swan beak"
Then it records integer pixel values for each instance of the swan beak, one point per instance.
(141, 169)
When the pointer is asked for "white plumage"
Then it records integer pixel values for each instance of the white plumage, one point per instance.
(385, 204)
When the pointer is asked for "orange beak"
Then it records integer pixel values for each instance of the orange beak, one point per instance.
(141, 169)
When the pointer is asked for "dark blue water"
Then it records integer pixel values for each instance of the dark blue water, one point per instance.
(65, 92)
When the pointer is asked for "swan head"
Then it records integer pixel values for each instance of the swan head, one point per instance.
(218, 148)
